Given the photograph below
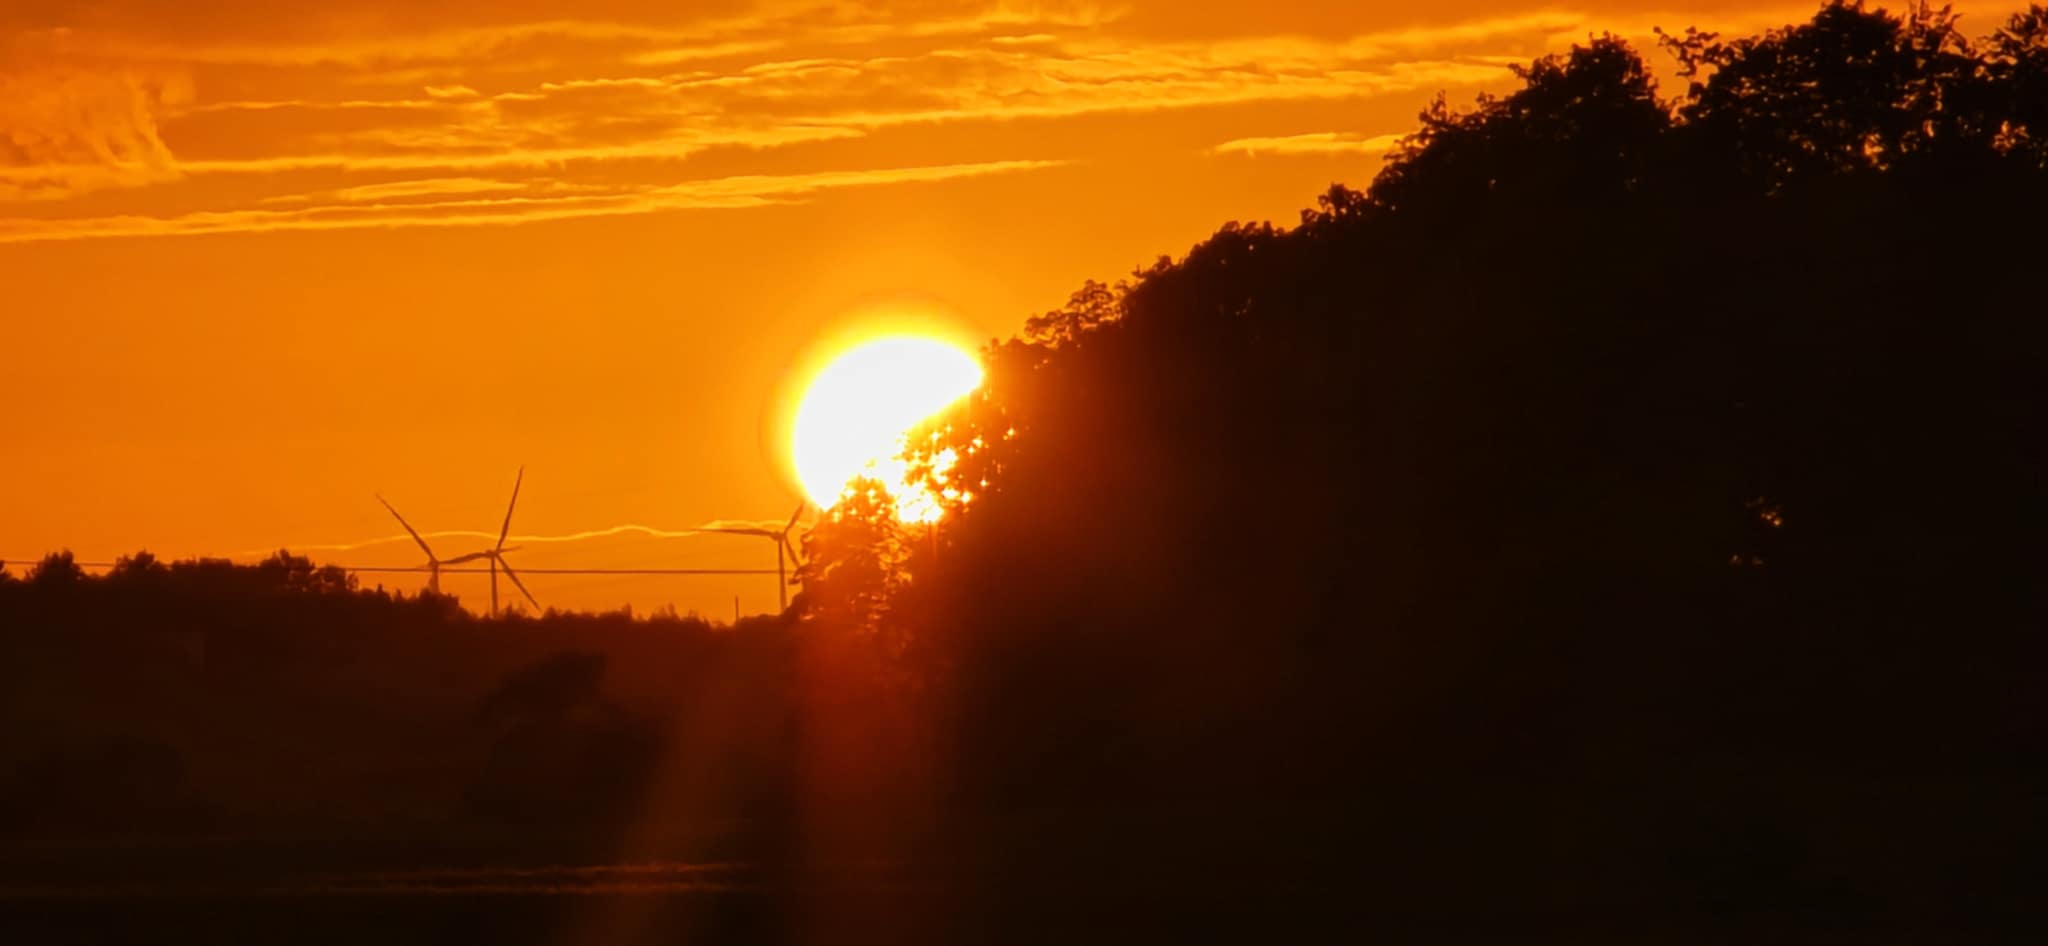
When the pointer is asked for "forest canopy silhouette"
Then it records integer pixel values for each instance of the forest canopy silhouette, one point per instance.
(1598, 419)
(1641, 490)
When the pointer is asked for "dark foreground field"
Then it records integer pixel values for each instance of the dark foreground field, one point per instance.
(1163, 875)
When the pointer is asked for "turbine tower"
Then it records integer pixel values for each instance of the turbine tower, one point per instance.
(433, 564)
(782, 545)
(496, 554)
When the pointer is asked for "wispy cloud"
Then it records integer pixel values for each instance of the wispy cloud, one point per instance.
(66, 131)
(726, 192)
(454, 118)
(1318, 142)
(780, 103)
(400, 190)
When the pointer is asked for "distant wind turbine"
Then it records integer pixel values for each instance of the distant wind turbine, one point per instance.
(433, 564)
(496, 554)
(782, 545)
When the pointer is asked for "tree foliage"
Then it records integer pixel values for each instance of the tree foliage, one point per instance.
(855, 560)
(1593, 412)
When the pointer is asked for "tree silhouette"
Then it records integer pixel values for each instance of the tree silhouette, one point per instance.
(1854, 89)
(1584, 127)
(1090, 307)
(136, 566)
(2014, 95)
(1598, 431)
(56, 570)
(854, 560)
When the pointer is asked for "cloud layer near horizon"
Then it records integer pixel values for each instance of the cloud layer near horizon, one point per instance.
(148, 117)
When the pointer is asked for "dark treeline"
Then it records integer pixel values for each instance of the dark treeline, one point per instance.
(1623, 517)
(1622, 499)
(1597, 421)
(204, 697)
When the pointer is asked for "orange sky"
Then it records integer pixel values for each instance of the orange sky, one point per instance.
(262, 259)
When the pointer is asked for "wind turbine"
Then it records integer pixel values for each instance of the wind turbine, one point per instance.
(433, 564)
(496, 554)
(782, 545)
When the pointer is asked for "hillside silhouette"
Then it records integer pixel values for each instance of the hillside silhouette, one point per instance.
(1619, 521)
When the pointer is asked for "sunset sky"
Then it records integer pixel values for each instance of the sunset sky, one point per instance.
(261, 260)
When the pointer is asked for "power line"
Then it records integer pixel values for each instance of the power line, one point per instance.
(573, 571)
(354, 569)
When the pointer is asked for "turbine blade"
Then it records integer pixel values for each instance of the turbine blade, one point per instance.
(507, 529)
(791, 546)
(791, 524)
(509, 573)
(471, 557)
(409, 530)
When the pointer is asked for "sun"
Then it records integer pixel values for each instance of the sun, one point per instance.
(854, 414)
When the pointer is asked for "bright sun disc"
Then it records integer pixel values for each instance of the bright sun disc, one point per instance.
(853, 416)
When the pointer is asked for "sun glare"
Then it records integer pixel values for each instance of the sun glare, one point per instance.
(853, 416)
